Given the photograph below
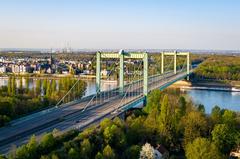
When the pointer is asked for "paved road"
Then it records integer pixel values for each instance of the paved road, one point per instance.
(71, 116)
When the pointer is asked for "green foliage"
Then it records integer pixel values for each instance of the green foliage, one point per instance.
(153, 101)
(195, 125)
(108, 153)
(201, 108)
(152, 121)
(182, 106)
(86, 148)
(22, 152)
(32, 147)
(202, 148)
(136, 130)
(228, 117)
(2, 157)
(47, 142)
(165, 120)
(54, 156)
(219, 67)
(224, 137)
(18, 101)
(174, 123)
(73, 154)
(105, 123)
(216, 115)
(3, 120)
(132, 152)
(99, 156)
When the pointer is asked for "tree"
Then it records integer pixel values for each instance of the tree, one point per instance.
(105, 123)
(166, 120)
(99, 156)
(27, 84)
(38, 87)
(73, 154)
(153, 101)
(195, 125)
(54, 156)
(47, 142)
(44, 86)
(2, 157)
(151, 123)
(108, 153)
(49, 89)
(21, 84)
(228, 117)
(182, 105)
(4, 119)
(13, 86)
(32, 147)
(147, 152)
(9, 86)
(201, 108)
(202, 148)
(224, 137)
(6, 107)
(132, 152)
(22, 152)
(86, 148)
(216, 115)
(114, 136)
(136, 130)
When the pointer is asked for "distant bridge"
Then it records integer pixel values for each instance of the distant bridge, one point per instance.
(79, 114)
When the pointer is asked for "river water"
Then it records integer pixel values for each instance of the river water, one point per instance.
(209, 98)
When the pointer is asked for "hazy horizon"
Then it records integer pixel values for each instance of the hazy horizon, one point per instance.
(135, 24)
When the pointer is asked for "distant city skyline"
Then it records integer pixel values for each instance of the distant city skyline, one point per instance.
(106, 24)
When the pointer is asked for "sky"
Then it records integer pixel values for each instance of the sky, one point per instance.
(115, 24)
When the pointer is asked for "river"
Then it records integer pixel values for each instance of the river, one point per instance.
(209, 98)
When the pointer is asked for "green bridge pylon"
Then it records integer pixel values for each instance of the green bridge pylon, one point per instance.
(122, 55)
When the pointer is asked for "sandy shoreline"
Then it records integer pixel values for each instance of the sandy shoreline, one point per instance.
(215, 86)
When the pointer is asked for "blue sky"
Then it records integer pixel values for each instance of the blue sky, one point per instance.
(139, 24)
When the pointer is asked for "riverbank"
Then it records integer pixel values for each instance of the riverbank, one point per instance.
(49, 76)
(208, 85)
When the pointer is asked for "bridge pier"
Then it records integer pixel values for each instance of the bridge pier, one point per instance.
(145, 78)
(175, 62)
(121, 71)
(162, 63)
(188, 65)
(98, 72)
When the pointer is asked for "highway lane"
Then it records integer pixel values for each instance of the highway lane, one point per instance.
(90, 116)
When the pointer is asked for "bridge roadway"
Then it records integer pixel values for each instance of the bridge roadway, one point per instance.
(71, 116)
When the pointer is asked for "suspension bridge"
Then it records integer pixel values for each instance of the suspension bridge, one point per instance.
(133, 88)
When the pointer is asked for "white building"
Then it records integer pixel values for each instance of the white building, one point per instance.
(15, 69)
(3, 69)
(49, 70)
(20, 68)
(24, 68)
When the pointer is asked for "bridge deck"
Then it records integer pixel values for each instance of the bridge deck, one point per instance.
(71, 116)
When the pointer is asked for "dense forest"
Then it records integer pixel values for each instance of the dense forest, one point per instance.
(219, 67)
(168, 119)
(18, 100)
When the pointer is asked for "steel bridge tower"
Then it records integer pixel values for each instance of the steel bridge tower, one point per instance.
(122, 55)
